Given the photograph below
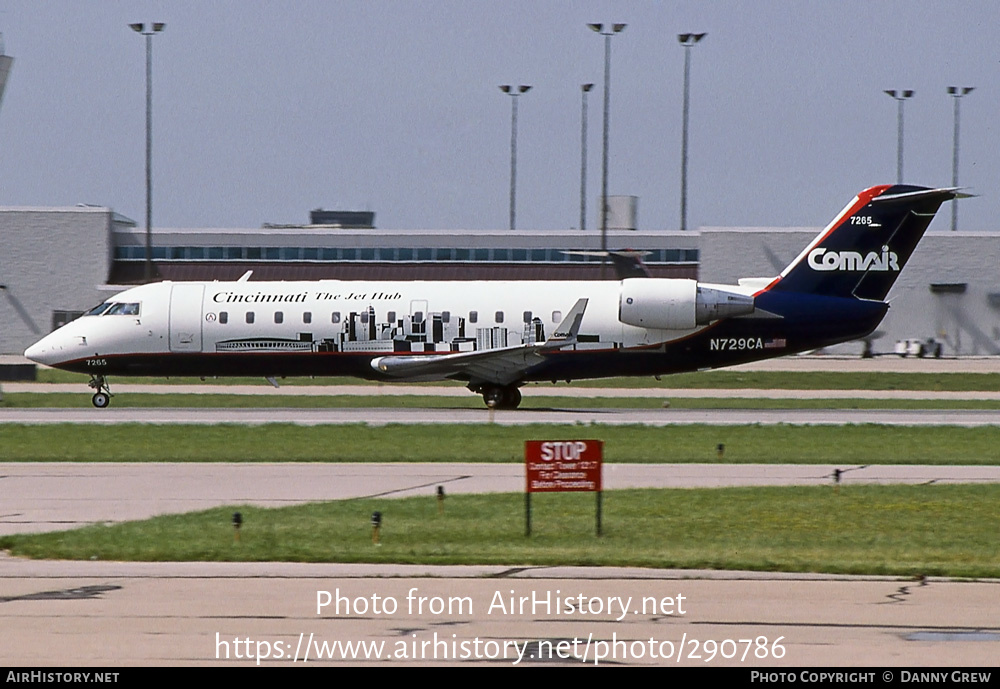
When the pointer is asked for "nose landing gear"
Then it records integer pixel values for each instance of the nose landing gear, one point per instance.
(102, 397)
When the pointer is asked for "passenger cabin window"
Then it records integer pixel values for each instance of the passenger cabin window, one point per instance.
(473, 316)
(391, 316)
(279, 317)
(335, 318)
(307, 317)
(527, 317)
(556, 316)
(499, 317)
(223, 317)
(249, 316)
(446, 316)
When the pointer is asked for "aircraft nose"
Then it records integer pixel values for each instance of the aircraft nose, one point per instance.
(44, 352)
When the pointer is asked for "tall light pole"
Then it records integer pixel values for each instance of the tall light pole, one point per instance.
(612, 30)
(956, 93)
(584, 90)
(513, 92)
(900, 97)
(149, 30)
(5, 64)
(688, 40)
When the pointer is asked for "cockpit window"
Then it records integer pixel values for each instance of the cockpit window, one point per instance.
(99, 309)
(123, 310)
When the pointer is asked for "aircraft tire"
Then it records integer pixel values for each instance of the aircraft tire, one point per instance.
(101, 400)
(497, 397)
(494, 397)
(512, 398)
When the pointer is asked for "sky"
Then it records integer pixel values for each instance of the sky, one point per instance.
(263, 111)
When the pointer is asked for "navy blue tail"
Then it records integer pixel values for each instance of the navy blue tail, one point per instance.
(862, 251)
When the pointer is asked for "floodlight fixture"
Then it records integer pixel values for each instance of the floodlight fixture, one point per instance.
(148, 29)
(689, 39)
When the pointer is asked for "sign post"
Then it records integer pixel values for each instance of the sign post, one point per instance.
(562, 466)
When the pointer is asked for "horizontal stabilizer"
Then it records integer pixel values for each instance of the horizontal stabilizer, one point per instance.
(942, 194)
(627, 262)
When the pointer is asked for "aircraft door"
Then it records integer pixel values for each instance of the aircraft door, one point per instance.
(185, 316)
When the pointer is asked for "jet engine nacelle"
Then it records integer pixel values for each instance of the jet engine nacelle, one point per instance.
(675, 304)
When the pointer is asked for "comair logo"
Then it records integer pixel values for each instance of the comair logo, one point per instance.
(821, 259)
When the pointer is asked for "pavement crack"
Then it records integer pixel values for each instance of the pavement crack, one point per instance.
(512, 572)
(903, 592)
(415, 487)
(79, 593)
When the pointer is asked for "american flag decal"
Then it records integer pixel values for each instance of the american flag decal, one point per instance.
(776, 343)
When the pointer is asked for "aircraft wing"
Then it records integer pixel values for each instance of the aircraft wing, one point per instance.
(501, 366)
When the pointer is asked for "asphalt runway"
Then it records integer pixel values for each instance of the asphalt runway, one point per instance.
(377, 416)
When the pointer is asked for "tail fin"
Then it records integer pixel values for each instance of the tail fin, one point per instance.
(862, 251)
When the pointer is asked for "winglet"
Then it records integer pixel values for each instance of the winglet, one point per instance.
(570, 326)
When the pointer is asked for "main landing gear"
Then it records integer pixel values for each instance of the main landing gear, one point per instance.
(102, 397)
(499, 396)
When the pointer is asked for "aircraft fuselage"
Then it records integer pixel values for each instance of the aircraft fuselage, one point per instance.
(333, 328)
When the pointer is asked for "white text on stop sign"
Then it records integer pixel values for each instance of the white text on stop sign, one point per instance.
(562, 450)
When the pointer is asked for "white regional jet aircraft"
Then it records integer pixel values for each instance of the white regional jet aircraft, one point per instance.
(496, 336)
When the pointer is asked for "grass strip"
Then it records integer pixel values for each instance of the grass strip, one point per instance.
(490, 443)
(941, 530)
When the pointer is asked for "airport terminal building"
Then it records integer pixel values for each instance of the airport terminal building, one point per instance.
(59, 262)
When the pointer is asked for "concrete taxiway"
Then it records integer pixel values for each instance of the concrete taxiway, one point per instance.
(121, 614)
(245, 614)
(62, 495)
